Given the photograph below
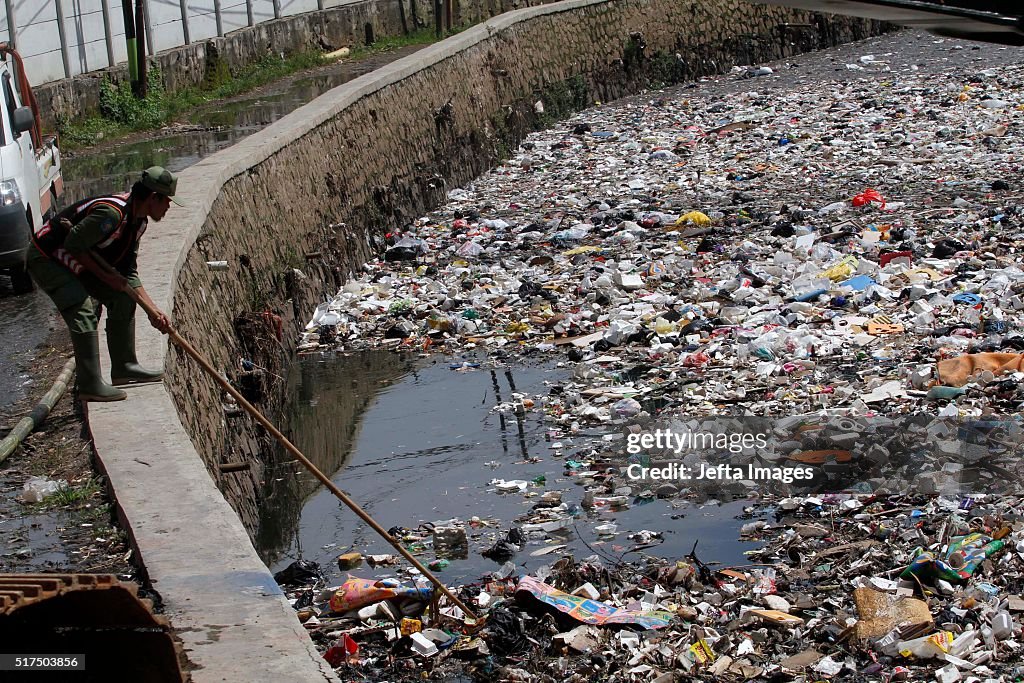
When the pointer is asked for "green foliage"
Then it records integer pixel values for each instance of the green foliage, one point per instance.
(633, 53)
(122, 113)
(504, 135)
(119, 104)
(562, 99)
(68, 496)
(423, 36)
(87, 132)
(217, 73)
(269, 68)
(667, 69)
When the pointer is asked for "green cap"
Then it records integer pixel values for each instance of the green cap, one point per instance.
(161, 181)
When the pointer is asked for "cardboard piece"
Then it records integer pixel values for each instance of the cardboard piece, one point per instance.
(777, 617)
(881, 612)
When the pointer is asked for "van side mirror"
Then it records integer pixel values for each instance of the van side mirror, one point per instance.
(22, 120)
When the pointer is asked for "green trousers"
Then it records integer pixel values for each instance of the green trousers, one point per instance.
(78, 296)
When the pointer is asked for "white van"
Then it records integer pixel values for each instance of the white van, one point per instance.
(30, 181)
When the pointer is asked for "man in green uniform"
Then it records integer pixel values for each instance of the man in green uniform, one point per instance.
(63, 262)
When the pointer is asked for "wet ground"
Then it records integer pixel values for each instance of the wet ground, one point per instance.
(26, 321)
(74, 531)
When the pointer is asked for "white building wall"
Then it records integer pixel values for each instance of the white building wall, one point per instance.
(37, 37)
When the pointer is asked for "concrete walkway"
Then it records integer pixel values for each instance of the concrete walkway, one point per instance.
(232, 617)
(234, 620)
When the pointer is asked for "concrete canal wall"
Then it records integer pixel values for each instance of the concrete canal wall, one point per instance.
(293, 210)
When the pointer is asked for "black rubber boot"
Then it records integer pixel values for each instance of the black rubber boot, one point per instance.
(124, 366)
(91, 386)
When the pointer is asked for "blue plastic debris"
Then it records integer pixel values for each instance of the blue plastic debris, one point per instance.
(967, 298)
(859, 283)
(811, 296)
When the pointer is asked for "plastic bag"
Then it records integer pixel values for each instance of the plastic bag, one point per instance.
(868, 196)
(694, 218)
(626, 408)
(299, 573)
(470, 250)
(356, 593)
(37, 489)
(960, 561)
(506, 634)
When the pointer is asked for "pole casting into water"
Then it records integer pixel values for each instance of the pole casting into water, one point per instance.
(291, 448)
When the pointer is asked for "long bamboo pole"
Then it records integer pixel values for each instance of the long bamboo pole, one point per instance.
(293, 450)
(39, 413)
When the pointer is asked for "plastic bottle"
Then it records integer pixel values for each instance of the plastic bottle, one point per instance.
(810, 296)
(927, 646)
(988, 637)
(38, 489)
(963, 643)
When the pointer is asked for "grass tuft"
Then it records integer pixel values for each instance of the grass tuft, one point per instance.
(69, 496)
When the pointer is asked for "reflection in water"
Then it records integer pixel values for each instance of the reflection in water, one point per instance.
(255, 113)
(115, 170)
(426, 449)
(416, 453)
(25, 321)
(327, 397)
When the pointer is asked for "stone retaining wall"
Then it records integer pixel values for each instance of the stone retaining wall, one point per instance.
(296, 207)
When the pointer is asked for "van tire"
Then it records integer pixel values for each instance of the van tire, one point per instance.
(21, 281)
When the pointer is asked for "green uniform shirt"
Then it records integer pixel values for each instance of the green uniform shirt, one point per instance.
(95, 228)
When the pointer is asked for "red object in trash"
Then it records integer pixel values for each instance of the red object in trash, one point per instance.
(868, 196)
(275, 323)
(344, 650)
(884, 259)
(696, 360)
